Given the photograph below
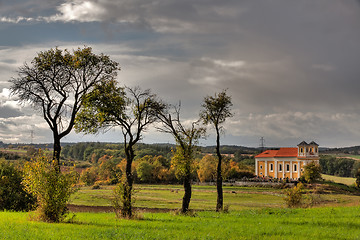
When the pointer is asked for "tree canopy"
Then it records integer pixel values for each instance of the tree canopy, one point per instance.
(55, 83)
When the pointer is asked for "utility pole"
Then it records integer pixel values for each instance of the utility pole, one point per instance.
(262, 144)
(32, 136)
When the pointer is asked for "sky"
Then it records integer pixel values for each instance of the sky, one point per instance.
(292, 68)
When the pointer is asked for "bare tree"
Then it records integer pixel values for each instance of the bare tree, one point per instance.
(55, 84)
(186, 140)
(215, 111)
(131, 109)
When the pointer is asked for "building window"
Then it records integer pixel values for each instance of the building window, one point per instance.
(261, 173)
(280, 167)
(301, 150)
(295, 168)
(288, 167)
(260, 166)
(271, 167)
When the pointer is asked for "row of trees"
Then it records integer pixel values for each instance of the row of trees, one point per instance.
(79, 90)
(158, 169)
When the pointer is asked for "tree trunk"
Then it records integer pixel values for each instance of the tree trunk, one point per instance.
(56, 153)
(128, 185)
(220, 198)
(187, 194)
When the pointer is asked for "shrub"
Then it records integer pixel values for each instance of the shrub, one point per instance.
(51, 188)
(12, 195)
(120, 200)
(293, 196)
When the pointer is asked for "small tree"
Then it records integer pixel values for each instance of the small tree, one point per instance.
(312, 172)
(293, 196)
(144, 172)
(215, 111)
(55, 83)
(186, 140)
(131, 109)
(207, 168)
(88, 176)
(357, 181)
(51, 188)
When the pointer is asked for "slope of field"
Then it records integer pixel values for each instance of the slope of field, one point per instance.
(343, 180)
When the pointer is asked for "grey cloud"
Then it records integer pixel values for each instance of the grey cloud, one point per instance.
(7, 112)
(29, 8)
(291, 65)
(286, 129)
(17, 129)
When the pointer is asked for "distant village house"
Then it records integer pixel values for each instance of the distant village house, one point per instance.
(286, 162)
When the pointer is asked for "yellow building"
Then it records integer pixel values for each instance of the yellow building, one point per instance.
(286, 162)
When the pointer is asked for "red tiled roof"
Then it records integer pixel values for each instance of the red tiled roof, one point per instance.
(282, 152)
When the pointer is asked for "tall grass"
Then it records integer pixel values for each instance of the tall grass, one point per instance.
(317, 223)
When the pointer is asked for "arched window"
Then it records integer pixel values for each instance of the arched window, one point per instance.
(295, 167)
(288, 167)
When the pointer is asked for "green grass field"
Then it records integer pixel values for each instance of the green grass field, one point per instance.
(255, 213)
(343, 180)
(266, 223)
(170, 197)
(203, 197)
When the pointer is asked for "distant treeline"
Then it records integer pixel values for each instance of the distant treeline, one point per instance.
(153, 163)
(91, 151)
(342, 167)
(355, 150)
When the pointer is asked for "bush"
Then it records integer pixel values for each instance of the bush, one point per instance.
(12, 195)
(293, 196)
(51, 188)
(121, 202)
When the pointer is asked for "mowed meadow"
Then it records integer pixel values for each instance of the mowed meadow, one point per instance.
(254, 213)
(169, 197)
